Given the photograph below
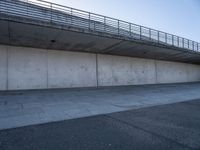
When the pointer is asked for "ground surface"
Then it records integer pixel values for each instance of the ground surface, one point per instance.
(173, 126)
(22, 108)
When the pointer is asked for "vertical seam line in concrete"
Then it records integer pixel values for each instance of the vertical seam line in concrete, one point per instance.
(156, 71)
(187, 72)
(97, 72)
(47, 66)
(7, 53)
(9, 35)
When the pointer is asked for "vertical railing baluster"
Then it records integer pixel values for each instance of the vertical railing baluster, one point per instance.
(166, 38)
(172, 40)
(71, 13)
(158, 36)
(130, 30)
(188, 44)
(178, 41)
(140, 32)
(149, 34)
(193, 45)
(51, 11)
(118, 26)
(0, 6)
(27, 4)
(104, 24)
(89, 20)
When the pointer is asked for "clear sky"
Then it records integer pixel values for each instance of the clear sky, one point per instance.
(179, 17)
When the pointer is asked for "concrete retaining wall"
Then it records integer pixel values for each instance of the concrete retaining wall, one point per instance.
(118, 70)
(26, 68)
(70, 69)
(3, 68)
(30, 68)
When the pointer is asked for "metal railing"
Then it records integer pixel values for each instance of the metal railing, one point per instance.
(66, 16)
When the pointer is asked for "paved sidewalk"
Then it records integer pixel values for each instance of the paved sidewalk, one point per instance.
(22, 108)
(167, 127)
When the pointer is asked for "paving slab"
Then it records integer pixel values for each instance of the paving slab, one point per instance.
(22, 108)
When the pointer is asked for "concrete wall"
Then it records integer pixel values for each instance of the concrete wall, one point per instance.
(30, 68)
(69, 69)
(118, 70)
(173, 72)
(3, 68)
(26, 68)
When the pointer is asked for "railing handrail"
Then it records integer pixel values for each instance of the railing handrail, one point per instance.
(114, 24)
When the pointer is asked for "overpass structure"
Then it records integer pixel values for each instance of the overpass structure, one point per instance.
(46, 45)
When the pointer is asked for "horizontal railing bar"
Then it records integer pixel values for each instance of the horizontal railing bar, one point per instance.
(44, 10)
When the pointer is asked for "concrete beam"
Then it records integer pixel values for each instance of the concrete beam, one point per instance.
(48, 37)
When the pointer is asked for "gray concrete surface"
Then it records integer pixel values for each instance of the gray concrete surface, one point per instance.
(22, 108)
(26, 68)
(167, 127)
(33, 68)
(3, 68)
(118, 70)
(70, 69)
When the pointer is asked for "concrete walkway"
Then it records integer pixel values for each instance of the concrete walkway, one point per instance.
(22, 108)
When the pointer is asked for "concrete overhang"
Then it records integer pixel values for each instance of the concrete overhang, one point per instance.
(26, 32)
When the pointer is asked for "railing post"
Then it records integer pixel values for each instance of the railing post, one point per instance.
(71, 12)
(172, 40)
(140, 32)
(193, 45)
(26, 7)
(183, 43)
(89, 21)
(166, 38)
(158, 37)
(149, 33)
(130, 29)
(104, 24)
(178, 41)
(188, 44)
(51, 11)
(118, 26)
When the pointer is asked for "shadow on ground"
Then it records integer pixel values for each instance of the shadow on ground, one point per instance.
(173, 126)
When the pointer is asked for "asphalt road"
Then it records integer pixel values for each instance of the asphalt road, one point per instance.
(173, 127)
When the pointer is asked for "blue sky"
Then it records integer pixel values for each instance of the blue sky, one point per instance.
(179, 17)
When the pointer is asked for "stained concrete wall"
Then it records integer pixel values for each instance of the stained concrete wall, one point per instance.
(118, 70)
(193, 73)
(26, 68)
(3, 67)
(170, 72)
(173, 72)
(30, 68)
(70, 69)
